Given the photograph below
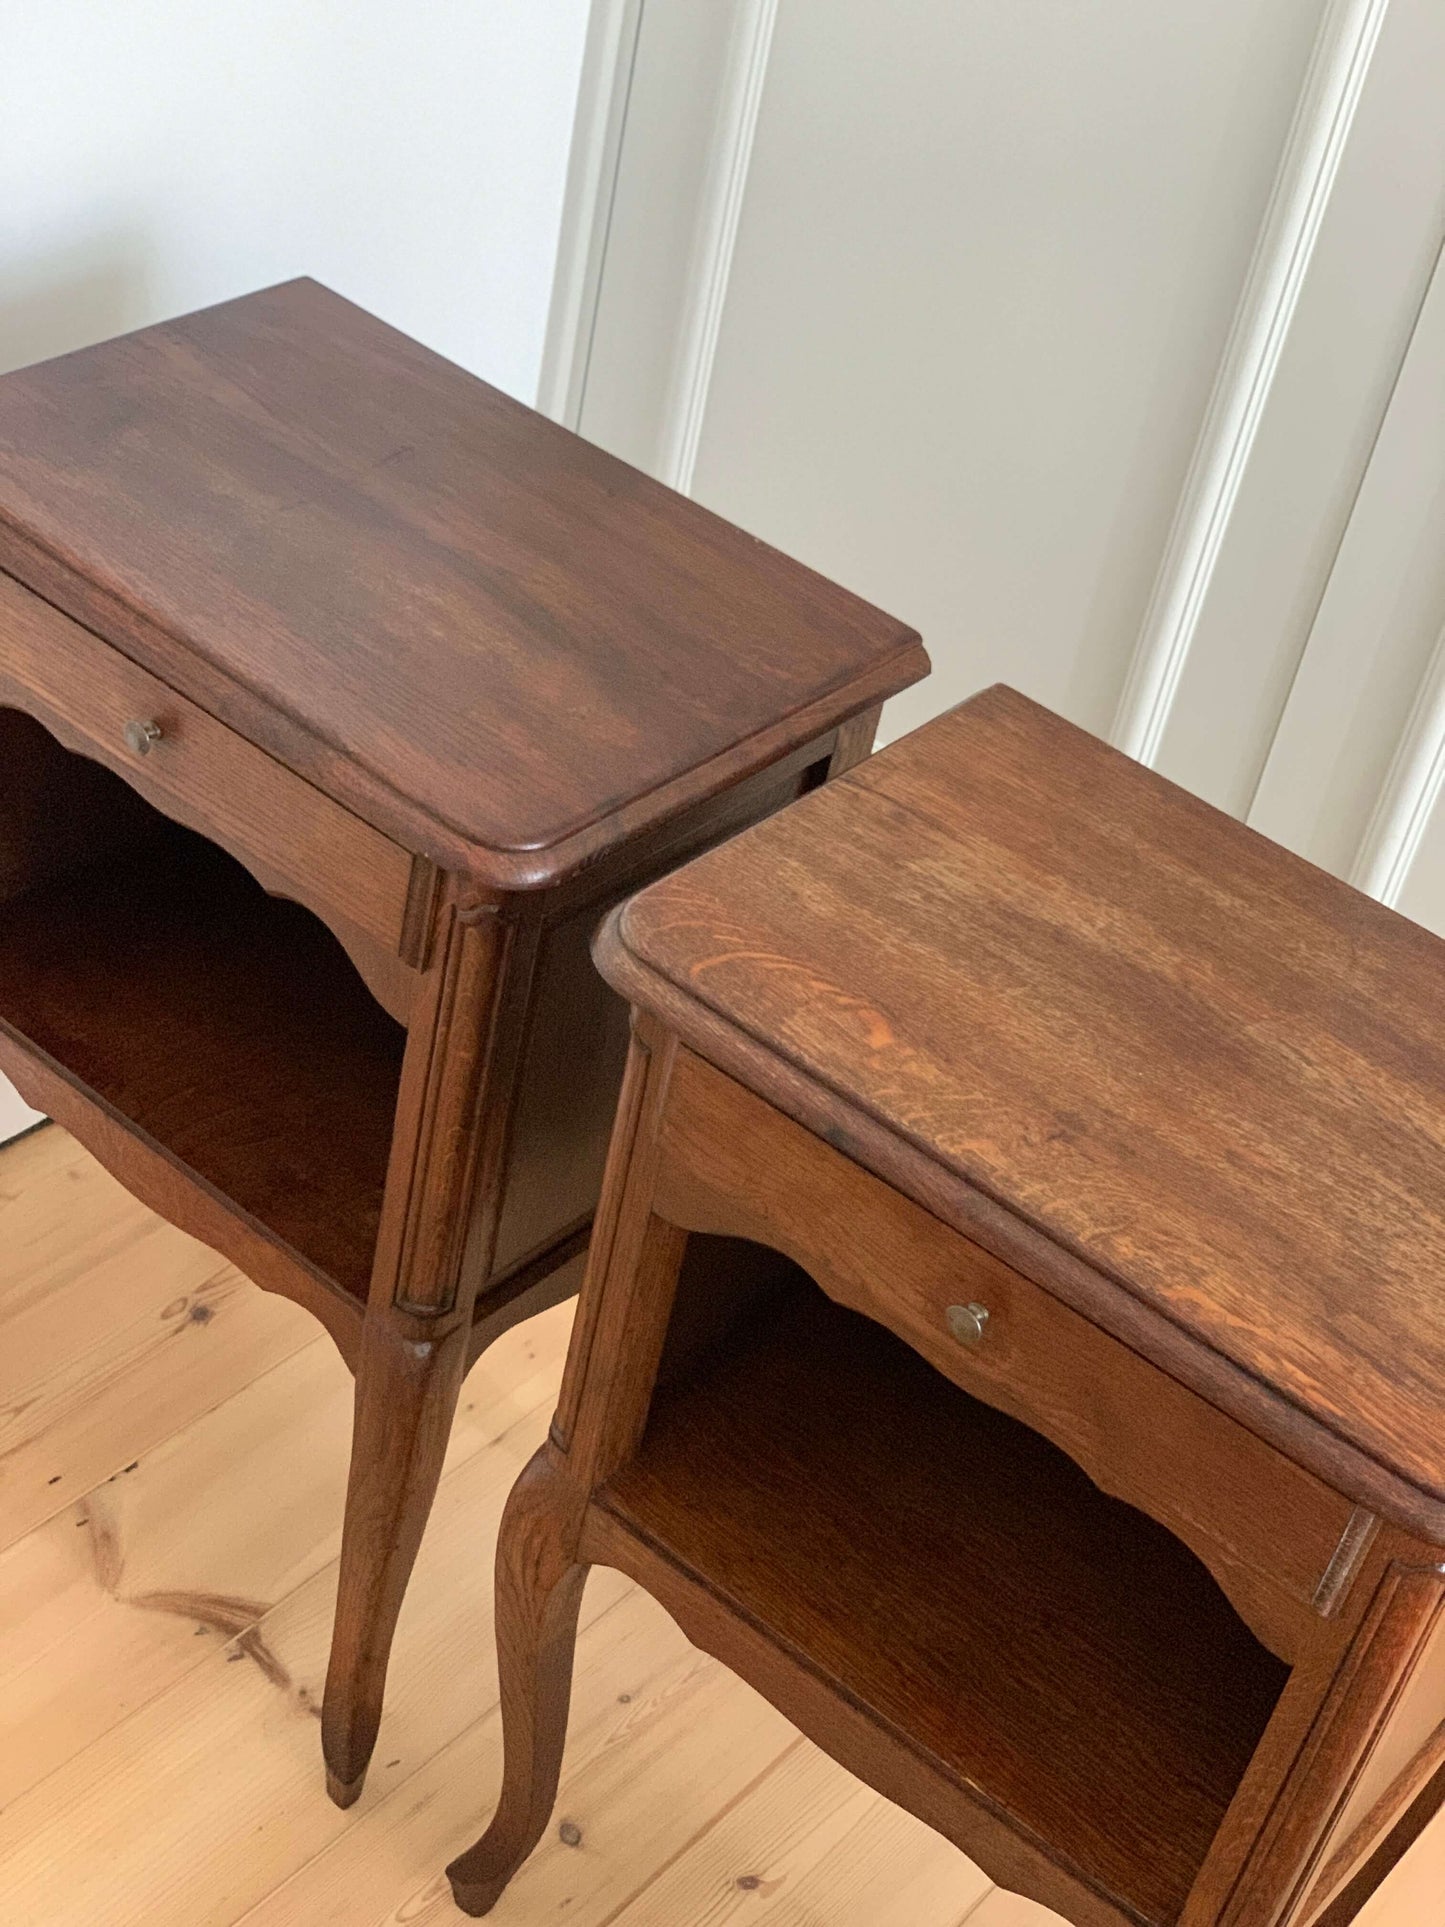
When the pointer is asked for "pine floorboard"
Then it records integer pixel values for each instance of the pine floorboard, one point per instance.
(172, 1465)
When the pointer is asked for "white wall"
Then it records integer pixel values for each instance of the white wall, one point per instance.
(14, 1115)
(158, 155)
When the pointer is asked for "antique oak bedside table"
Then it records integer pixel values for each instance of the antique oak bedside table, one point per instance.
(339, 696)
(1091, 1502)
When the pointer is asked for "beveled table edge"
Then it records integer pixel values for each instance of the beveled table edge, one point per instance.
(334, 769)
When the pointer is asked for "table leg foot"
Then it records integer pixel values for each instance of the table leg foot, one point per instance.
(345, 1793)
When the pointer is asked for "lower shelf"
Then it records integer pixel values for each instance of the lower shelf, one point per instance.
(225, 1025)
(1049, 1651)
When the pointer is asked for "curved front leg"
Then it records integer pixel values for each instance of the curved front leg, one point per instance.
(539, 1593)
(632, 1274)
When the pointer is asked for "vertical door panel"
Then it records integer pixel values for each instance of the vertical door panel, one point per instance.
(1351, 777)
(1346, 330)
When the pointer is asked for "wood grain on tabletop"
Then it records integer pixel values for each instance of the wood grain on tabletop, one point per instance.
(1198, 1064)
(499, 643)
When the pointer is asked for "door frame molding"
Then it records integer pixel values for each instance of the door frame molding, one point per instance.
(1341, 273)
(1269, 303)
(604, 87)
(1410, 792)
(608, 64)
(1354, 769)
(715, 237)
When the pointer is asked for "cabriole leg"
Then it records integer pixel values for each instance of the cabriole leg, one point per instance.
(539, 1593)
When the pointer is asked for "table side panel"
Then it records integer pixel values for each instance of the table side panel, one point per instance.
(1354, 1770)
(577, 1025)
(1407, 1748)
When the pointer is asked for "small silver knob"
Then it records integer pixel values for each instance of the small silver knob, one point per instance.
(140, 737)
(968, 1323)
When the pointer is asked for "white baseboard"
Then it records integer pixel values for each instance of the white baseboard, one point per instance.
(15, 1116)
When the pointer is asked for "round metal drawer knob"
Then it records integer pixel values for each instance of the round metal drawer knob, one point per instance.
(140, 737)
(968, 1323)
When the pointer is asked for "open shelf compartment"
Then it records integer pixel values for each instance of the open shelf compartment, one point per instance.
(225, 1026)
(1048, 1649)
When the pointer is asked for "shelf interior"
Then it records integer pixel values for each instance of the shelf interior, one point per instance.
(964, 1582)
(226, 1025)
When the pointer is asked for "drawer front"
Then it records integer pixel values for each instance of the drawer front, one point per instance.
(1267, 1529)
(290, 836)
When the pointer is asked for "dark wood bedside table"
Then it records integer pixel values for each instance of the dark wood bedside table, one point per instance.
(1091, 1502)
(339, 697)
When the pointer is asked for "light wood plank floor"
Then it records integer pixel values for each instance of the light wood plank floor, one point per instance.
(172, 1464)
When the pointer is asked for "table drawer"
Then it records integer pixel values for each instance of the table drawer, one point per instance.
(294, 839)
(1268, 1530)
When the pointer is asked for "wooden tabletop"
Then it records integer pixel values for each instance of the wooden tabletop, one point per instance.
(1186, 1080)
(494, 641)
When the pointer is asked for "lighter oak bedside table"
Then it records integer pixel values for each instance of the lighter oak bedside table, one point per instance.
(1083, 1487)
(339, 697)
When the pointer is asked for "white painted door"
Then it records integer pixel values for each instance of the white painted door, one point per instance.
(1065, 332)
(982, 266)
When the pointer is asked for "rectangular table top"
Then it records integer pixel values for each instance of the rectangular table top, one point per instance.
(1026, 978)
(498, 643)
